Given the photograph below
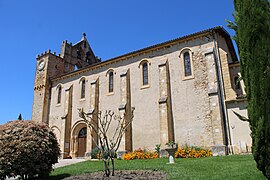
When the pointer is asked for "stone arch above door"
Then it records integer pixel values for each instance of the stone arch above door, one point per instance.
(57, 133)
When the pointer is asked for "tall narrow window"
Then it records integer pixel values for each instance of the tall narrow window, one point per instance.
(83, 89)
(187, 65)
(145, 73)
(59, 95)
(110, 82)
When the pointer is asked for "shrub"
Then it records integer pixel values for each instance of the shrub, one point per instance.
(252, 27)
(27, 149)
(140, 154)
(192, 152)
(157, 149)
(95, 153)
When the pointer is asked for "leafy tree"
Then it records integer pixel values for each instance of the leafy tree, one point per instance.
(27, 149)
(20, 117)
(252, 27)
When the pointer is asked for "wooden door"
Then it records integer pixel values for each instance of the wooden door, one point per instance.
(82, 142)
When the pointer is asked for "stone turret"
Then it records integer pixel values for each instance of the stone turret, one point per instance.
(48, 65)
(78, 55)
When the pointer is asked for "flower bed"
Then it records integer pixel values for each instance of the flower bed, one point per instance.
(140, 154)
(192, 152)
(182, 152)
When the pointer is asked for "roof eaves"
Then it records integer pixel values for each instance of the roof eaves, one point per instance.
(219, 29)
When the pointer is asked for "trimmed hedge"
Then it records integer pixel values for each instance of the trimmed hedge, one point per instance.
(28, 149)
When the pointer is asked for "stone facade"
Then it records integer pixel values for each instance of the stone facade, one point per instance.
(190, 103)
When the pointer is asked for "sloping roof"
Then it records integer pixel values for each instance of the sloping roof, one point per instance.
(218, 29)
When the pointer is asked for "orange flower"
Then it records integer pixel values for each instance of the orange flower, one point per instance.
(191, 152)
(140, 154)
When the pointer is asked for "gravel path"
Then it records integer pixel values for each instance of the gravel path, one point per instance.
(65, 162)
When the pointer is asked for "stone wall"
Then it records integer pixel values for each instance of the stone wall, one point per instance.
(240, 131)
(170, 107)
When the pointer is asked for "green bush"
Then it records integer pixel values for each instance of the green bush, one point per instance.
(28, 149)
(95, 153)
(252, 27)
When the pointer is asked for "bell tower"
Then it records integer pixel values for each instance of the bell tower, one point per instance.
(78, 55)
(50, 65)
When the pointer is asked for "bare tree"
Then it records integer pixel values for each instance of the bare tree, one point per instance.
(107, 145)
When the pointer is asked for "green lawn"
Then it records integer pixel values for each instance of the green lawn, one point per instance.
(225, 167)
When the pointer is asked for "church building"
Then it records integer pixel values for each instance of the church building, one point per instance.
(183, 90)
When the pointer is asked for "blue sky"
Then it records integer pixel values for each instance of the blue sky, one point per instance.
(113, 28)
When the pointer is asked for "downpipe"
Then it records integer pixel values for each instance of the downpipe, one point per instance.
(227, 137)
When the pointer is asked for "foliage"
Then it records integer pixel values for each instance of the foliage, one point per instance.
(221, 167)
(140, 154)
(157, 149)
(20, 117)
(182, 152)
(95, 153)
(171, 144)
(101, 125)
(252, 27)
(192, 152)
(27, 149)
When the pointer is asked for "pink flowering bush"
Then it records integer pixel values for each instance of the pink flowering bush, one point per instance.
(27, 149)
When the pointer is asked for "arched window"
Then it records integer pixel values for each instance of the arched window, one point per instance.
(187, 66)
(59, 95)
(83, 89)
(111, 82)
(82, 133)
(237, 83)
(145, 73)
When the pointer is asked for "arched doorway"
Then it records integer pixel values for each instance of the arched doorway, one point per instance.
(82, 142)
(57, 133)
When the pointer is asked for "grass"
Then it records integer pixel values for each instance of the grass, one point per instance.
(225, 167)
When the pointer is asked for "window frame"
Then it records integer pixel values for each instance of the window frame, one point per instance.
(187, 64)
(142, 73)
(83, 82)
(59, 89)
(145, 75)
(110, 82)
(182, 63)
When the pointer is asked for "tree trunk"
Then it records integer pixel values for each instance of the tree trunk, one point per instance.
(112, 166)
(106, 168)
